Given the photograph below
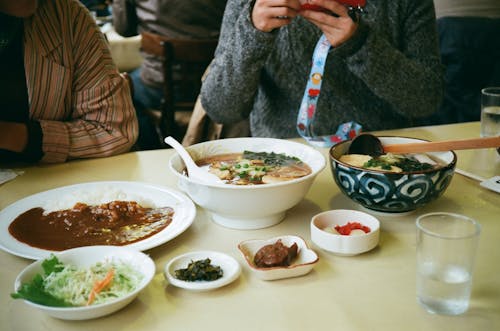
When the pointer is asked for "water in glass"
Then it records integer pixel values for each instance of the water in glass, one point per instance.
(443, 290)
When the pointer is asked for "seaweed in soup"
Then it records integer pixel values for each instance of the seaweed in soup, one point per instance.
(251, 168)
(272, 159)
(406, 164)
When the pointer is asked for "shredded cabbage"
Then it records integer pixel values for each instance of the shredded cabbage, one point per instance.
(74, 285)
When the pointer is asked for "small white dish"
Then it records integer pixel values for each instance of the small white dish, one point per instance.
(301, 265)
(346, 245)
(85, 257)
(230, 267)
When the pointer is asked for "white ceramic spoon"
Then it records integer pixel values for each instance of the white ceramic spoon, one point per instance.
(193, 170)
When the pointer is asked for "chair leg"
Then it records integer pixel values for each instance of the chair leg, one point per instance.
(167, 123)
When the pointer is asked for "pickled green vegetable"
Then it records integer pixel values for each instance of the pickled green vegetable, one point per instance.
(199, 270)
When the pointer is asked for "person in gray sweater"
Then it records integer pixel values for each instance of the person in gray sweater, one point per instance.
(382, 72)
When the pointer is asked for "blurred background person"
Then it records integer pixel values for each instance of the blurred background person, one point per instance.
(156, 20)
(469, 39)
(61, 96)
(99, 7)
(383, 70)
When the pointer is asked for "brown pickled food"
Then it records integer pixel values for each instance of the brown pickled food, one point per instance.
(115, 223)
(275, 255)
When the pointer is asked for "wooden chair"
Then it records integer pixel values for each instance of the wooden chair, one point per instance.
(185, 61)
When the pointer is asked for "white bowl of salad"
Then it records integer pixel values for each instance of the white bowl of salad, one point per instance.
(85, 282)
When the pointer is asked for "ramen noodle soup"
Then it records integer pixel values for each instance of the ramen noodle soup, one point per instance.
(253, 168)
(393, 162)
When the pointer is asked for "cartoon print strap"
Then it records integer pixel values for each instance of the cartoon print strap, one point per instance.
(307, 109)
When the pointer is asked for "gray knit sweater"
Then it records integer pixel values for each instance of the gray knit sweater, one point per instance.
(386, 75)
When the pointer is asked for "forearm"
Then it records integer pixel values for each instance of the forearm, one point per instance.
(13, 136)
(100, 126)
(24, 140)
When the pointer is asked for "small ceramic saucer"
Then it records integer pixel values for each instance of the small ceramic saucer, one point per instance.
(230, 267)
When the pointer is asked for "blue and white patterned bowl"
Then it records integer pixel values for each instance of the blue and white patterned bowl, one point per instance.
(391, 192)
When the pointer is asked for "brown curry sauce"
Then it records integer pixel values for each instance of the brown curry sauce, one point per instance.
(114, 223)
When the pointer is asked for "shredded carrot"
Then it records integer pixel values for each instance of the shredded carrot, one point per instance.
(100, 285)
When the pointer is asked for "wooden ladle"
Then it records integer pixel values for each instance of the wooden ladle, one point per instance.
(369, 144)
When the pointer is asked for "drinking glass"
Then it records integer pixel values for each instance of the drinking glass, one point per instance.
(490, 112)
(446, 249)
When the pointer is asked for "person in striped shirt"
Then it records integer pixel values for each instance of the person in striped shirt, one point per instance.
(61, 95)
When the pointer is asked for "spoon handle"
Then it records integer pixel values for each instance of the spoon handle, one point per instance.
(192, 168)
(186, 158)
(441, 146)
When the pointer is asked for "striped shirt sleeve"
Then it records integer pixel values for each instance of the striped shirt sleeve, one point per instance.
(83, 104)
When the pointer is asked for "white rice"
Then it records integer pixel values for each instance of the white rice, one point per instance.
(95, 197)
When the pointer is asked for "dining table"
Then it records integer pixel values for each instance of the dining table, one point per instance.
(375, 290)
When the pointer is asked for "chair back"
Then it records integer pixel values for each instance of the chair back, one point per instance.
(185, 61)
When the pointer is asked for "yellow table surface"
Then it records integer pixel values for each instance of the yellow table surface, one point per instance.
(372, 291)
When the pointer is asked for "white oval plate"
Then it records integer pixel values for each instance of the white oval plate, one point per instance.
(156, 196)
(230, 267)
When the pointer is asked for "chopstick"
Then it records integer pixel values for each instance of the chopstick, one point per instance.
(441, 146)
(469, 175)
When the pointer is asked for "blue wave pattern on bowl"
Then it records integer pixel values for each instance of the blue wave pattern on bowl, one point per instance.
(391, 192)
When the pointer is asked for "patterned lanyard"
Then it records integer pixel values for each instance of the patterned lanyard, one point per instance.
(307, 109)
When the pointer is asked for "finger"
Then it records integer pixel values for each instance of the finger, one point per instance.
(271, 20)
(291, 4)
(276, 9)
(280, 13)
(333, 6)
(324, 18)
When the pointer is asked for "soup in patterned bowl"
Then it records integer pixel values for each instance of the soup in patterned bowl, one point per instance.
(392, 190)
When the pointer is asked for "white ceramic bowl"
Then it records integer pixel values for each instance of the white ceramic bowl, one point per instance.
(230, 267)
(344, 244)
(302, 264)
(85, 257)
(248, 207)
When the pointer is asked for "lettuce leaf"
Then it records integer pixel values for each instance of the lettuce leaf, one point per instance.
(34, 291)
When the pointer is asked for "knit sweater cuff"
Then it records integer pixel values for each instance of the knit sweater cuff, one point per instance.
(253, 35)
